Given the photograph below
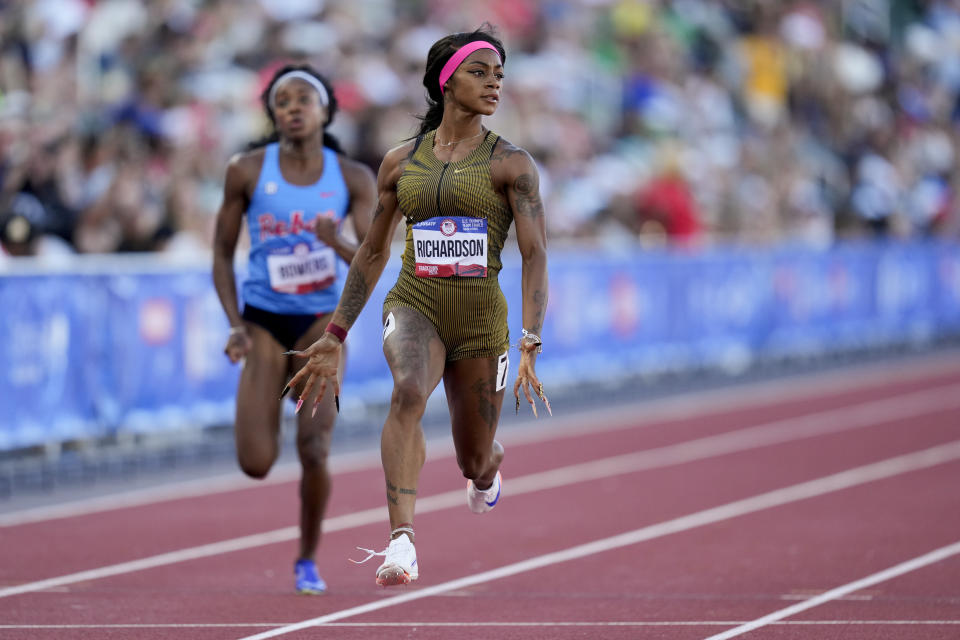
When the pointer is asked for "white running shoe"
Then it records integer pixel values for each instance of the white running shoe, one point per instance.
(483, 501)
(400, 560)
(399, 564)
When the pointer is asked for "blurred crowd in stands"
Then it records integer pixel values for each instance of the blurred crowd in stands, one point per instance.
(689, 122)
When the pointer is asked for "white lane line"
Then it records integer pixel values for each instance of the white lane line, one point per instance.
(486, 623)
(686, 405)
(919, 562)
(778, 432)
(828, 484)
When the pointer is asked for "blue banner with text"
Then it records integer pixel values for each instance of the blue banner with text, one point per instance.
(93, 352)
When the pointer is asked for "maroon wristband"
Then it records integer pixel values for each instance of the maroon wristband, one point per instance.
(338, 331)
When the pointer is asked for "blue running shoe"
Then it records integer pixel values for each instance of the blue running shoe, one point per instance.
(308, 580)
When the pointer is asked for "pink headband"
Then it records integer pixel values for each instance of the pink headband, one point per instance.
(461, 54)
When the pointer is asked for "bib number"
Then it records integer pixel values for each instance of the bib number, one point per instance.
(452, 246)
(301, 269)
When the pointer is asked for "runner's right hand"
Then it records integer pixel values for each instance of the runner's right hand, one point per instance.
(238, 345)
(321, 369)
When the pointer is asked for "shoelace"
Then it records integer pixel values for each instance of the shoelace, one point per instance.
(372, 554)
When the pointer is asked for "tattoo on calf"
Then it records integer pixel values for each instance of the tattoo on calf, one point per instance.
(394, 492)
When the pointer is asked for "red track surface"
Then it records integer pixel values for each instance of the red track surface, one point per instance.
(690, 571)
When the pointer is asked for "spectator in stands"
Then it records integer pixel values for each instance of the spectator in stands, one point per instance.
(810, 82)
(665, 205)
(17, 236)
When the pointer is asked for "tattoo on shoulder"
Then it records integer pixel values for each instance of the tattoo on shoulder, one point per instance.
(504, 151)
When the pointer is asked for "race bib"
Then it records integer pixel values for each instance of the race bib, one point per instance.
(300, 269)
(453, 246)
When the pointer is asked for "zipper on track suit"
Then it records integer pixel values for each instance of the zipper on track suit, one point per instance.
(439, 183)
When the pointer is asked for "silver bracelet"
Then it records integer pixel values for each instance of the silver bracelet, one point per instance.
(529, 335)
(237, 329)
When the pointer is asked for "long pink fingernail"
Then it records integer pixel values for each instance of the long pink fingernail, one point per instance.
(316, 405)
(299, 404)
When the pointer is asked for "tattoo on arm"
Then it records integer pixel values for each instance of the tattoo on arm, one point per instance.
(527, 198)
(378, 211)
(355, 292)
(539, 300)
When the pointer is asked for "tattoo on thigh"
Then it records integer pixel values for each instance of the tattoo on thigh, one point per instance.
(486, 407)
(411, 335)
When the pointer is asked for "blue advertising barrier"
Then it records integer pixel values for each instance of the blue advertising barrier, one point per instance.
(132, 347)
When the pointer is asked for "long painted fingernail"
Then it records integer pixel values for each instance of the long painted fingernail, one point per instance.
(299, 405)
(336, 401)
(518, 406)
(534, 407)
(285, 391)
(316, 405)
(292, 353)
(546, 403)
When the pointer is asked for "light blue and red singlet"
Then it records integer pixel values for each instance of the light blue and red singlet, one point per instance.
(290, 270)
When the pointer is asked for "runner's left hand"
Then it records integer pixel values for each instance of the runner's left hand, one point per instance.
(326, 227)
(527, 379)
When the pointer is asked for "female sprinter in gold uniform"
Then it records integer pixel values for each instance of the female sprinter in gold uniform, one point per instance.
(458, 187)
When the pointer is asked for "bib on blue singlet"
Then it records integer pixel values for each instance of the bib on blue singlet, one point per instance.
(451, 246)
(301, 269)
